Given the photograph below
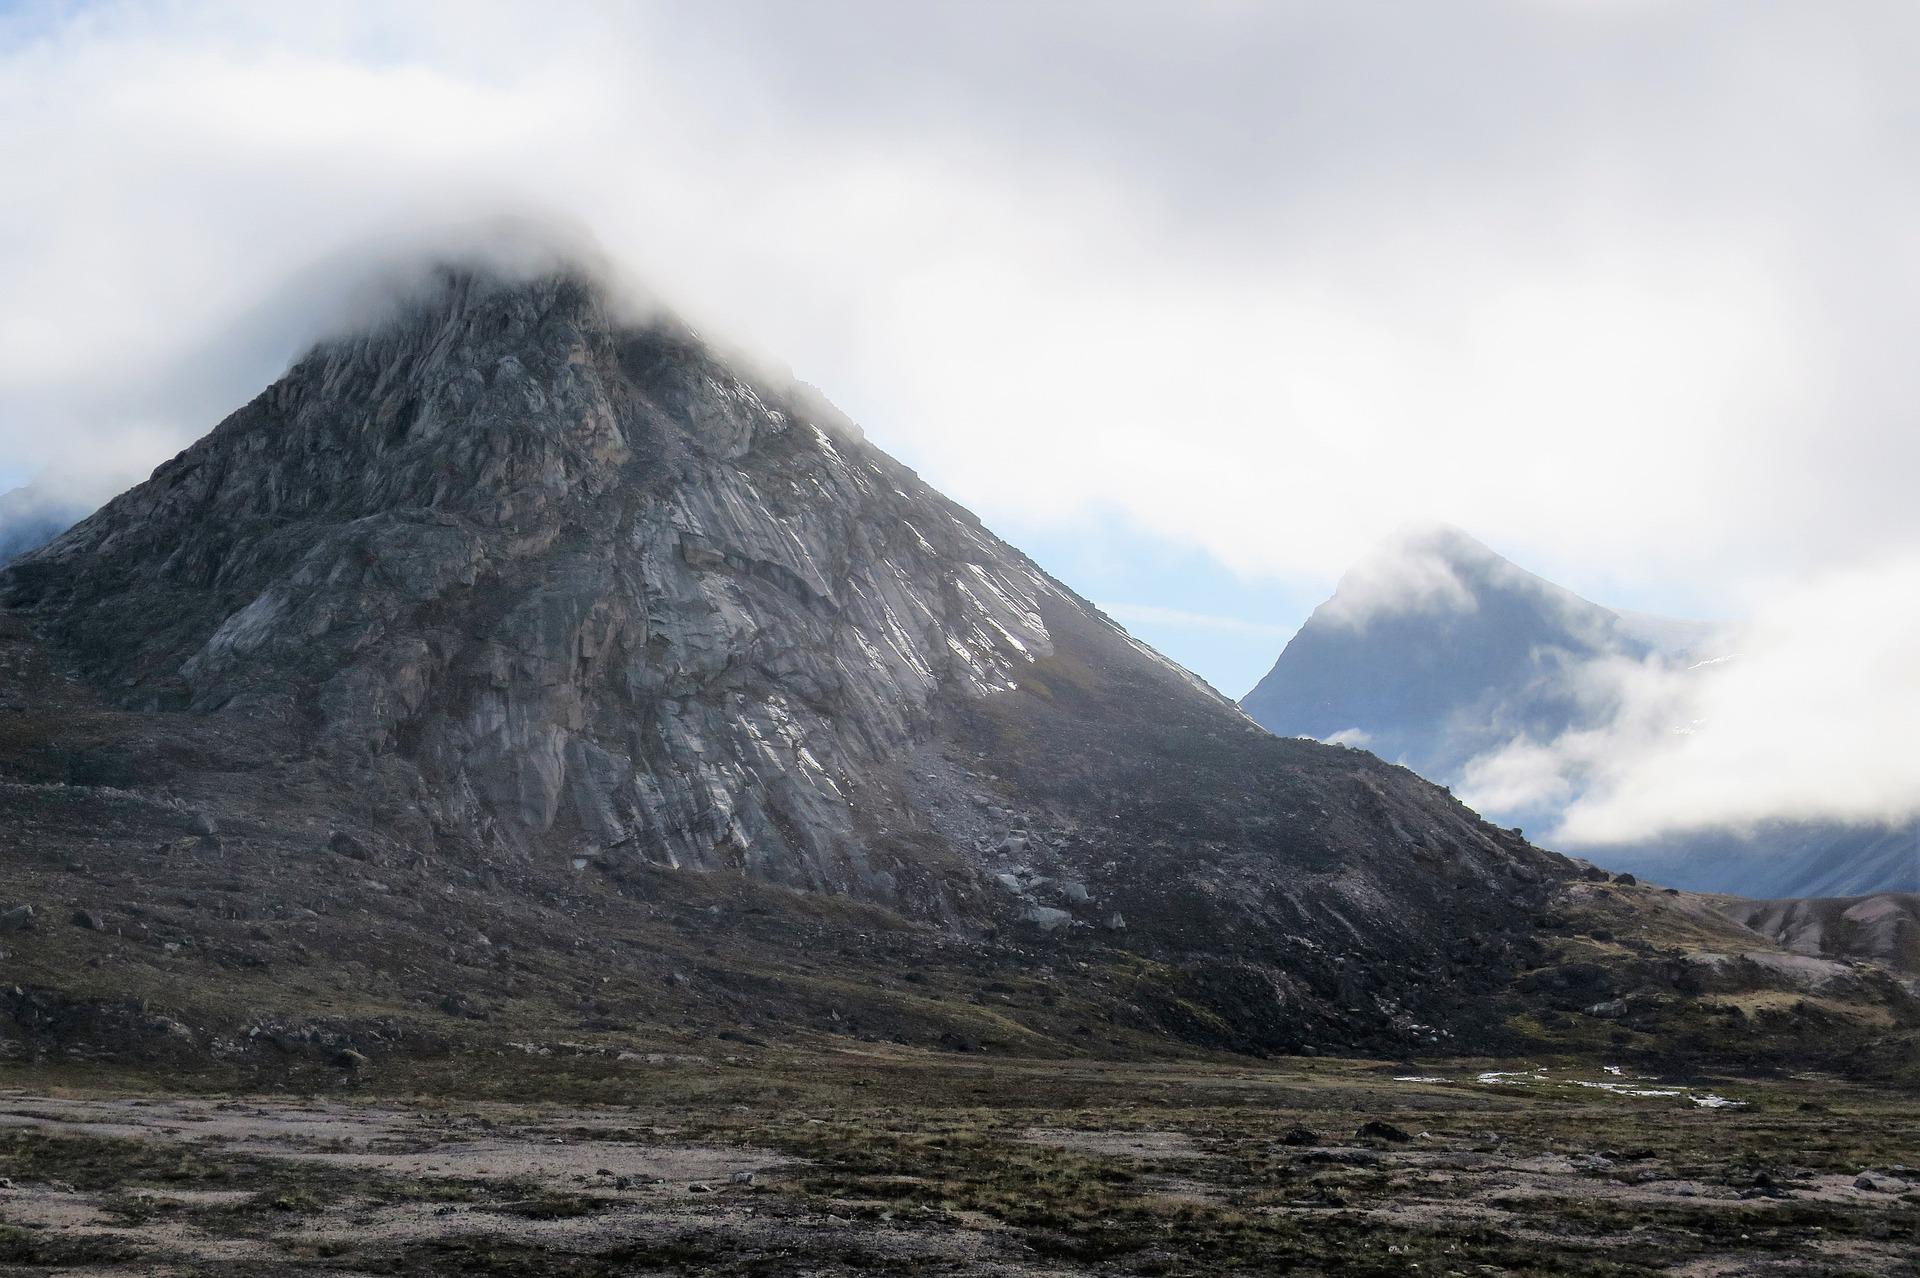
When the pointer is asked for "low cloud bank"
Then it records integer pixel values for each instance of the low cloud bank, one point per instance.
(1264, 281)
(1809, 717)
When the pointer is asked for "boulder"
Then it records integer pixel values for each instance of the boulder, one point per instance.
(346, 845)
(461, 1005)
(1046, 918)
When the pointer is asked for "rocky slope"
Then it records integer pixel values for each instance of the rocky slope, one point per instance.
(1884, 928)
(1437, 653)
(515, 657)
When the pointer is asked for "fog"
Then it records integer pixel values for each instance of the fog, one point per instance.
(1808, 715)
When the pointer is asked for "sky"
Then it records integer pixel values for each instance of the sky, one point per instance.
(1195, 302)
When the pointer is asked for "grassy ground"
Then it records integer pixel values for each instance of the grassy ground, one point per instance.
(904, 1162)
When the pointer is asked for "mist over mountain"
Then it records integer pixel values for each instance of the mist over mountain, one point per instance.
(610, 657)
(32, 516)
(1440, 654)
(520, 667)
(1435, 650)
(514, 583)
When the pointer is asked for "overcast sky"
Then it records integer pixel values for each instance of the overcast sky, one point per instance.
(1194, 301)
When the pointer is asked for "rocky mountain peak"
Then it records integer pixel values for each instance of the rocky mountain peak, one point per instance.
(1433, 647)
(517, 580)
(1438, 653)
(589, 577)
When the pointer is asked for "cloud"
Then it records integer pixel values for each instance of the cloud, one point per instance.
(1811, 719)
(1416, 571)
(1268, 280)
(1152, 614)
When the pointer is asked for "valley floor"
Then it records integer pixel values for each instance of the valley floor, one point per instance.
(769, 1162)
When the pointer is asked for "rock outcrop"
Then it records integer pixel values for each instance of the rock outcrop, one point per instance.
(1883, 928)
(543, 587)
(592, 583)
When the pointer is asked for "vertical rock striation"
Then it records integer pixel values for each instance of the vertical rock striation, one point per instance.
(589, 579)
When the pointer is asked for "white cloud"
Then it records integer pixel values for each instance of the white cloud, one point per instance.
(1265, 281)
(1415, 571)
(1812, 719)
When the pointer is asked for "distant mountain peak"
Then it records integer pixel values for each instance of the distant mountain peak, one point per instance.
(1421, 640)
(1438, 568)
(1437, 652)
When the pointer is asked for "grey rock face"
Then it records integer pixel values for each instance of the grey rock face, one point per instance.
(591, 580)
(533, 582)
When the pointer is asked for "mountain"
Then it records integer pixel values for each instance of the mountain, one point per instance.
(30, 517)
(1884, 927)
(522, 659)
(1436, 652)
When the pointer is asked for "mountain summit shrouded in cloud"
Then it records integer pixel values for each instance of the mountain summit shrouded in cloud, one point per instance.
(515, 582)
(1260, 282)
(1244, 285)
(1585, 724)
(1436, 651)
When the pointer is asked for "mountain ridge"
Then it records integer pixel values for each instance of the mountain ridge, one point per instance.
(516, 615)
(548, 588)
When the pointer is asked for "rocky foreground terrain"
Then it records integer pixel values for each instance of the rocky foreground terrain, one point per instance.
(757, 1161)
(521, 705)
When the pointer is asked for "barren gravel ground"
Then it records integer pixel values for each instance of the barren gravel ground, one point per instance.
(908, 1163)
